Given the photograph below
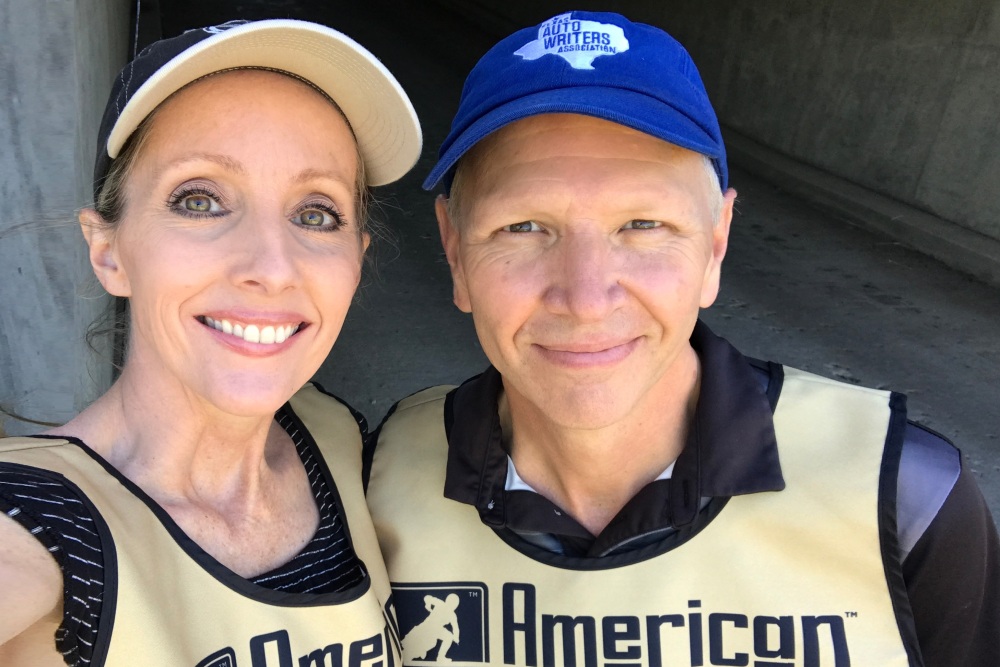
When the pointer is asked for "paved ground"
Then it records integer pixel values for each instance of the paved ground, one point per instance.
(799, 286)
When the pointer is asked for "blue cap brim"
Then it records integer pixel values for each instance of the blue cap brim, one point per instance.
(632, 109)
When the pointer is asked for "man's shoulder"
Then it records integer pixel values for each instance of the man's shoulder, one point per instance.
(412, 407)
(411, 417)
(929, 468)
(420, 398)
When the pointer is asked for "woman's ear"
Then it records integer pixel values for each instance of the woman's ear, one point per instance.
(103, 256)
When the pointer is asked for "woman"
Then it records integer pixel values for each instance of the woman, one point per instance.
(188, 516)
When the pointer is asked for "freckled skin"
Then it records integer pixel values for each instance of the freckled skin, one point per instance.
(586, 310)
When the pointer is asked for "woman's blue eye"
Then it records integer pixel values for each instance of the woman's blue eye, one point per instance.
(312, 218)
(320, 217)
(199, 203)
(196, 202)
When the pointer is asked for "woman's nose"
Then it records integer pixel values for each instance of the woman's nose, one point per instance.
(266, 259)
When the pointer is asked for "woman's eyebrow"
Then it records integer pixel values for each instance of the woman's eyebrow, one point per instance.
(307, 175)
(224, 161)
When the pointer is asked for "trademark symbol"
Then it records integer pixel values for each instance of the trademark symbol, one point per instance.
(473, 594)
(851, 614)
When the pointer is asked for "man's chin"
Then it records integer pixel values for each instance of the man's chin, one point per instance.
(582, 408)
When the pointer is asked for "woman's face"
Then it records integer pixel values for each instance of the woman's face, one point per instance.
(239, 246)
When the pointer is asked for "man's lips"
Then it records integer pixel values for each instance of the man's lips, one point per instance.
(582, 355)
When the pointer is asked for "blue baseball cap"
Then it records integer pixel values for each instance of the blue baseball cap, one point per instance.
(593, 63)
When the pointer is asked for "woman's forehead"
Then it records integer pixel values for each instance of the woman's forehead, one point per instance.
(232, 111)
(248, 83)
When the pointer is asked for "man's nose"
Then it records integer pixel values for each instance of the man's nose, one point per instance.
(585, 284)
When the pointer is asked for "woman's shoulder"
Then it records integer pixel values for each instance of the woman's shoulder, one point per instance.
(314, 403)
(13, 444)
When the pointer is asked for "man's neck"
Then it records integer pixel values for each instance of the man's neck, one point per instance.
(592, 473)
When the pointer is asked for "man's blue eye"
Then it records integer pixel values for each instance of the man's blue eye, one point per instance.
(521, 227)
(641, 224)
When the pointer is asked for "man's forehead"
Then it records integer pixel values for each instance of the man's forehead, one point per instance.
(582, 125)
(594, 141)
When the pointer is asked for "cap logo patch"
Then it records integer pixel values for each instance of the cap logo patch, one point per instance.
(578, 42)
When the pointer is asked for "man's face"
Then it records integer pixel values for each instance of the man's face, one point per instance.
(584, 250)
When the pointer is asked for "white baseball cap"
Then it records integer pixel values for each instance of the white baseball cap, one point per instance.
(376, 106)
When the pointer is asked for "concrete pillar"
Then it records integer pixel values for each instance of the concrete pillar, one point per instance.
(57, 61)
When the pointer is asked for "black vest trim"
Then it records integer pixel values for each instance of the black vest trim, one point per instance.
(109, 603)
(888, 528)
(324, 470)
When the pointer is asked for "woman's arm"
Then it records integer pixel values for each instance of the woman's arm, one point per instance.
(31, 602)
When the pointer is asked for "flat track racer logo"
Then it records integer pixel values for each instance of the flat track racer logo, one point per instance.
(578, 42)
(443, 623)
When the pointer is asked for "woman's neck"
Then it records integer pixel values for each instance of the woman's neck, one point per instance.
(234, 484)
(174, 445)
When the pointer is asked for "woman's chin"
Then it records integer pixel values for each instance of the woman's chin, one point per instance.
(251, 397)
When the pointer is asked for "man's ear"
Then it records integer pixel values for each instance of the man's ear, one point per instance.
(450, 238)
(103, 256)
(720, 243)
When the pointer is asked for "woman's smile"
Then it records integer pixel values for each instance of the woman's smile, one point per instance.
(252, 333)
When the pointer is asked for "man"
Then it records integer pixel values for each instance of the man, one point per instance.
(621, 486)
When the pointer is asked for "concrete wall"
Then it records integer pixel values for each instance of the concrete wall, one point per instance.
(56, 66)
(895, 96)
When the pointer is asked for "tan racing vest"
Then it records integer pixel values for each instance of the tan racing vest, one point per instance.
(792, 578)
(171, 606)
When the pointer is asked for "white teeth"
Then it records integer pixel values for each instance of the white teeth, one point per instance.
(252, 333)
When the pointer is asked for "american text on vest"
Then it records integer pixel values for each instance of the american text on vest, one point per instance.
(694, 638)
(274, 649)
